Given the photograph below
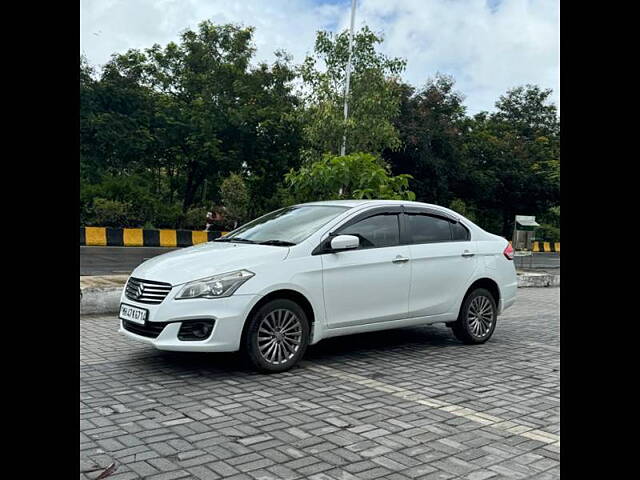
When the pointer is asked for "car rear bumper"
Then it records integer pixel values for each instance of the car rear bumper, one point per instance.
(508, 295)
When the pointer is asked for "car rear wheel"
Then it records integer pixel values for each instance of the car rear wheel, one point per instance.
(477, 319)
(277, 336)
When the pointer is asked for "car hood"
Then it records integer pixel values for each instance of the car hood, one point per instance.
(206, 259)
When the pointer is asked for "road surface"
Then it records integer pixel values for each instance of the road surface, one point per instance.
(119, 260)
(115, 260)
(410, 404)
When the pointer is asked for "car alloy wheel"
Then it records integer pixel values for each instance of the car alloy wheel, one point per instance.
(477, 318)
(480, 316)
(279, 336)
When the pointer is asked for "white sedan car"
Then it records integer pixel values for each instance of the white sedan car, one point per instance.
(303, 273)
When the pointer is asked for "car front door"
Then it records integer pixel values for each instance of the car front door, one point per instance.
(369, 284)
(442, 261)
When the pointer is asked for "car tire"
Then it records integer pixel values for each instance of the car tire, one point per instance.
(477, 318)
(277, 336)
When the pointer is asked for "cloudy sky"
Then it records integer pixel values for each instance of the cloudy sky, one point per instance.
(488, 46)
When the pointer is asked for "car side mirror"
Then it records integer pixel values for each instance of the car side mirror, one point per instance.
(344, 242)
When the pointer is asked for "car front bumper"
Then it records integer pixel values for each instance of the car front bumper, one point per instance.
(229, 315)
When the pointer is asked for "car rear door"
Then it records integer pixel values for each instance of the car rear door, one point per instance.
(442, 260)
(369, 284)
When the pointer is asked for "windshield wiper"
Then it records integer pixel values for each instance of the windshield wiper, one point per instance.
(278, 243)
(233, 239)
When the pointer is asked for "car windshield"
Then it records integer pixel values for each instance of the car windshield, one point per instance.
(287, 226)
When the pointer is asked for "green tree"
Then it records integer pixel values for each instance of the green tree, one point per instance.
(512, 158)
(359, 175)
(430, 125)
(273, 132)
(235, 198)
(217, 112)
(374, 96)
(460, 206)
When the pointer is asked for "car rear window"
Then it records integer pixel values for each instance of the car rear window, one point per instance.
(459, 232)
(428, 229)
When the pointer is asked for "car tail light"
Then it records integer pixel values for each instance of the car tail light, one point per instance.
(508, 252)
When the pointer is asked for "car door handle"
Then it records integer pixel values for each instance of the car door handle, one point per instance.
(467, 253)
(400, 259)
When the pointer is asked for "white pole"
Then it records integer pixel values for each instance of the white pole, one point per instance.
(346, 86)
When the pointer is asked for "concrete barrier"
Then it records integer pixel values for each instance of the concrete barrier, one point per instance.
(534, 279)
(141, 237)
(101, 294)
(546, 247)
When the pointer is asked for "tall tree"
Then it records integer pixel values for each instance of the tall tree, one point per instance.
(374, 96)
(513, 157)
(274, 132)
(430, 124)
(213, 113)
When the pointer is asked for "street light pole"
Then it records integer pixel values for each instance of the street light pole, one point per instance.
(346, 87)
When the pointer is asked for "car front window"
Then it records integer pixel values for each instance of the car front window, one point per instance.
(289, 225)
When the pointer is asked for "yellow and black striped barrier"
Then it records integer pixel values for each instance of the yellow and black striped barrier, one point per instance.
(545, 247)
(142, 237)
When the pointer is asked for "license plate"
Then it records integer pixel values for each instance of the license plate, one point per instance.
(133, 314)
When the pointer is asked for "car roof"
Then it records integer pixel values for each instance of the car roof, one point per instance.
(357, 203)
(339, 203)
(480, 233)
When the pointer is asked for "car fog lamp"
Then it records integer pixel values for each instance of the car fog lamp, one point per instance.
(201, 330)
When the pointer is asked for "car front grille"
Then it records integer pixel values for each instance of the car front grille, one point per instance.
(146, 291)
(149, 329)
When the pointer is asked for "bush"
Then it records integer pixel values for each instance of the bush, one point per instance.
(551, 217)
(359, 175)
(111, 213)
(195, 219)
(235, 198)
(547, 233)
(549, 229)
(119, 201)
(166, 215)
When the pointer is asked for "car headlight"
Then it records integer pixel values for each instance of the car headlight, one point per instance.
(217, 286)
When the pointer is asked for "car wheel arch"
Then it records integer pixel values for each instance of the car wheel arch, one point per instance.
(486, 283)
(289, 294)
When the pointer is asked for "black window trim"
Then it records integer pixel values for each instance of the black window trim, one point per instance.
(325, 245)
(431, 212)
(405, 236)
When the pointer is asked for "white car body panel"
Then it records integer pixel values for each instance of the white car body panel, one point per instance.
(349, 291)
(364, 286)
(438, 273)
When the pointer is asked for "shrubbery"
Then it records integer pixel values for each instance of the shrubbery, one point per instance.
(547, 233)
(235, 198)
(112, 213)
(195, 219)
(549, 229)
(359, 175)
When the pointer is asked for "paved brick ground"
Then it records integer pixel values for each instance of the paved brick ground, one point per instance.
(403, 404)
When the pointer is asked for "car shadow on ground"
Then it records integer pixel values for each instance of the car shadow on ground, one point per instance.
(361, 346)
(365, 344)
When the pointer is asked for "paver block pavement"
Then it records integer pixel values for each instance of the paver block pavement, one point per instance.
(402, 404)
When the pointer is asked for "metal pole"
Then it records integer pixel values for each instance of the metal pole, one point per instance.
(346, 87)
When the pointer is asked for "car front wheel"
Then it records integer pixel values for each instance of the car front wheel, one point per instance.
(277, 336)
(477, 319)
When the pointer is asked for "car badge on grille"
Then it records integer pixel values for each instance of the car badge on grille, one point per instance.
(140, 291)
